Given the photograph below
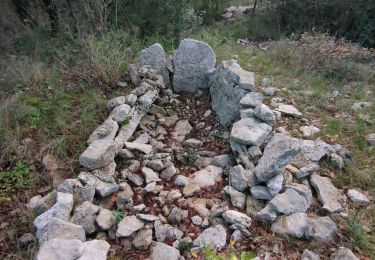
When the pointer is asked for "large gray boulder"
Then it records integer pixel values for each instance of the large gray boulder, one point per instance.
(155, 57)
(192, 62)
(99, 154)
(229, 83)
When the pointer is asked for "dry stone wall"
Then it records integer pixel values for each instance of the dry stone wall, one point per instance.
(135, 189)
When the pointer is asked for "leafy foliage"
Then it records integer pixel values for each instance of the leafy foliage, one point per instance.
(118, 215)
(17, 178)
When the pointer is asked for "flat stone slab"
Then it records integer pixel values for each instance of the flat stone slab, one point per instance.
(328, 194)
(99, 154)
(128, 226)
(294, 226)
(289, 202)
(289, 110)
(250, 131)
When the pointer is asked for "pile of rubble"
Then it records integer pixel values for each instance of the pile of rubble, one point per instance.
(151, 180)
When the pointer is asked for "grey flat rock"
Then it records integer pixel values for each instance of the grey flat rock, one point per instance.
(250, 131)
(214, 237)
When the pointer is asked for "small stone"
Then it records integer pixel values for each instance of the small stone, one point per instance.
(240, 179)
(214, 237)
(344, 254)
(235, 217)
(131, 99)
(289, 110)
(223, 161)
(308, 255)
(150, 175)
(255, 152)
(61, 210)
(249, 131)
(196, 220)
(181, 130)
(252, 99)
(120, 113)
(143, 239)
(26, 239)
(114, 102)
(309, 131)
(270, 91)
(105, 219)
(144, 148)
(358, 198)
(260, 193)
(237, 198)
(265, 114)
(84, 215)
(168, 172)
(307, 170)
(267, 214)
(148, 217)
(177, 215)
(161, 251)
(208, 176)
(139, 208)
(370, 139)
(128, 226)
(303, 190)
(191, 188)
(193, 143)
(337, 161)
(156, 165)
(275, 184)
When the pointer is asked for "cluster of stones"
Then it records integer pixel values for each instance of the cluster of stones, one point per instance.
(269, 173)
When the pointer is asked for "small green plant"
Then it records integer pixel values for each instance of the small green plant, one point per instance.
(17, 178)
(118, 216)
(190, 158)
(357, 231)
(210, 254)
(184, 246)
(126, 121)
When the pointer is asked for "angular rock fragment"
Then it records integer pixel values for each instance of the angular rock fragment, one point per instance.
(85, 215)
(240, 179)
(250, 131)
(235, 217)
(322, 229)
(328, 194)
(61, 210)
(128, 226)
(289, 110)
(214, 237)
(162, 251)
(294, 226)
(289, 202)
(99, 154)
(358, 198)
(237, 198)
(208, 176)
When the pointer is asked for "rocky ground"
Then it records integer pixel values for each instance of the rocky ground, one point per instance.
(195, 158)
